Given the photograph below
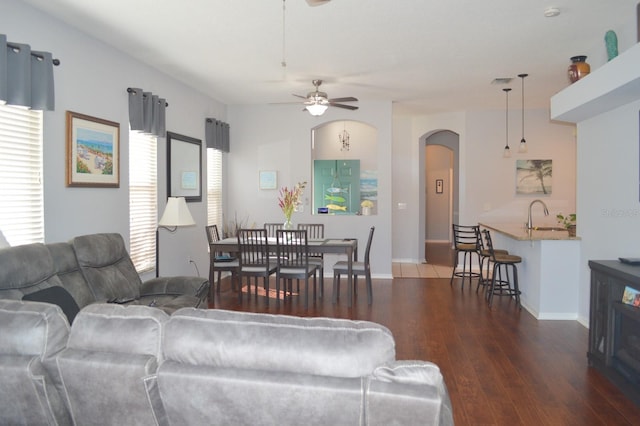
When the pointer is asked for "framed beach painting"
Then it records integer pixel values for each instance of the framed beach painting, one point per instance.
(534, 177)
(93, 151)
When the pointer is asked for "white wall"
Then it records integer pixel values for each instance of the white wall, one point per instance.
(92, 79)
(276, 137)
(487, 181)
(608, 198)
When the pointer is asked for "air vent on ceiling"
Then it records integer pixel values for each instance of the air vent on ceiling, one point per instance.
(502, 80)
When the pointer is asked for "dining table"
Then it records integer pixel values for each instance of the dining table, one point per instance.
(346, 246)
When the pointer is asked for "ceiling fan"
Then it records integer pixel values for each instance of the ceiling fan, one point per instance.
(317, 102)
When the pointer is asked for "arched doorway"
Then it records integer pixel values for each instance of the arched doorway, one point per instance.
(439, 193)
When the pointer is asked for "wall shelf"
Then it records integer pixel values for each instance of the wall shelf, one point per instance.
(615, 84)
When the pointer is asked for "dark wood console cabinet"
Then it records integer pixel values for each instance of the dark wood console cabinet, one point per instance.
(614, 327)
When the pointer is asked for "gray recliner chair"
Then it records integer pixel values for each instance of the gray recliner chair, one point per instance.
(31, 335)
(110, 377)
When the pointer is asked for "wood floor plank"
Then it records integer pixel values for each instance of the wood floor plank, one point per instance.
(501, 366)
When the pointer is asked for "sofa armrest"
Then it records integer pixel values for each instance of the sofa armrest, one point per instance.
(190, 286)
(401, 391)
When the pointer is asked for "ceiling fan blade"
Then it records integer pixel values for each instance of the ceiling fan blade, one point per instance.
(317, 2)
(351, 107)
(347, 99)
(299, 96)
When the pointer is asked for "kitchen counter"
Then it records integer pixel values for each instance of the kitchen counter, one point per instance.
(519, 232)
(549, 273)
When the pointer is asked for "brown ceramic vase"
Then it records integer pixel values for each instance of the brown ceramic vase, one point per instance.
(578, 68)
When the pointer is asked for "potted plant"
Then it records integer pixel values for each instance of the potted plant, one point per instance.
(568, 222)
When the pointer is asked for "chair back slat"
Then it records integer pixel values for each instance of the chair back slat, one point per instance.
(466, 237)
(487, 239)
(271, 229)
(315, 231)
(292, 248)
(254, 247)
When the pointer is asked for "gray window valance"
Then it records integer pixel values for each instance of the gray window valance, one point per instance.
(147, 112)
(216, 134)
(26, 76)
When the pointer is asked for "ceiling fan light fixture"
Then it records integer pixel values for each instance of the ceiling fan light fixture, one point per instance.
(316, 109)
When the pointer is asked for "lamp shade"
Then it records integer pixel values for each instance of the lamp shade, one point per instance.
(176, 213)
(316, 109)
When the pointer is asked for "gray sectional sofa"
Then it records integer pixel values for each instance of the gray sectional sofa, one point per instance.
(138, 365)
(90, 269)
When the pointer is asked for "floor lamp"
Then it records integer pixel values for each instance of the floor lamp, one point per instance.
(176, 214)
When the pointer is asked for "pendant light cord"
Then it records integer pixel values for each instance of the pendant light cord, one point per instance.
(507, 151)
(522, 76)
(523, 142)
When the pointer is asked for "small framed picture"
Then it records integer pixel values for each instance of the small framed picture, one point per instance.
(439, 186)
(93, 151)
(268, 179)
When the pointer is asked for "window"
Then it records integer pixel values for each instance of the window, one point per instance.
(214, 187)
(143, 200)
(21, 189)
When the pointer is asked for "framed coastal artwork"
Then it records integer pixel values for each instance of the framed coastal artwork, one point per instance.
(93, 151)
(268, 179)
(534, 177)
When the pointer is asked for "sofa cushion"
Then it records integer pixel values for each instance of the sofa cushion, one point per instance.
(35, 328)
(31, 335)
(25, 269)
(118, 328)
(106, 266)
(109, 365)
(321, 346)
(68, 271)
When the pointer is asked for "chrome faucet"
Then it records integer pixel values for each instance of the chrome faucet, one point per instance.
(546, 212)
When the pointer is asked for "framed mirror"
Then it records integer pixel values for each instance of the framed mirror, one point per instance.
(184, 167)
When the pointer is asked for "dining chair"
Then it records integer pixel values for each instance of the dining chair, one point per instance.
(254, 259)
(220, 262)
(358, 268)
(292, 249)
(271, 228)
(315, 231)
(466, 240)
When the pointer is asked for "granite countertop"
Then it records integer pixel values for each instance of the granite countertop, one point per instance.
(519, 232)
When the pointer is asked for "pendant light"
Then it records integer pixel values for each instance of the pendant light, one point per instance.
(507, 151)
(523, 143)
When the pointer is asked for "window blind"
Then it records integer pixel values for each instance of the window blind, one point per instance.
(143, 200)
(21, 188)
(214, 187)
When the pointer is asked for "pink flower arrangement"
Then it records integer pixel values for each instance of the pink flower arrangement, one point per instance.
(290, 198)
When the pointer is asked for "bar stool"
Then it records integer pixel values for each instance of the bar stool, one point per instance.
(466, 240)
(485, 256)
(500, 287)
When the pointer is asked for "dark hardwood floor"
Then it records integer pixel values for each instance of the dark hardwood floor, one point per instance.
(501, 366)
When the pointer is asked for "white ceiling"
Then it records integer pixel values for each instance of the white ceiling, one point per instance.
(427, 56)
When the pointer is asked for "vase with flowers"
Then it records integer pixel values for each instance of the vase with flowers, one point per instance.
(289, 200)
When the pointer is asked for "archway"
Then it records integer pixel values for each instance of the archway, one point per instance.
(439, 193)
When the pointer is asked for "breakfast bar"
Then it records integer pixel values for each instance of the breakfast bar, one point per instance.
(548, 274)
